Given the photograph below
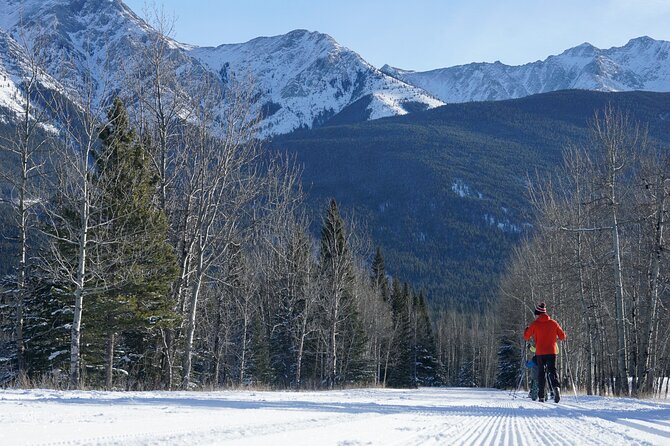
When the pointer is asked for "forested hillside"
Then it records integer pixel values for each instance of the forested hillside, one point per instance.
(445, 191)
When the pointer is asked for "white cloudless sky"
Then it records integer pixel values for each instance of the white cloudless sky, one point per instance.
(424, 34)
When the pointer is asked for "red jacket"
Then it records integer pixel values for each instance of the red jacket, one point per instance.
(546, 331)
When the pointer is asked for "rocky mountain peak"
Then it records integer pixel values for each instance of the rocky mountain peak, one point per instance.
(642, 64)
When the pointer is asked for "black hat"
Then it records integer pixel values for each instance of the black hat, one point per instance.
(541, 308)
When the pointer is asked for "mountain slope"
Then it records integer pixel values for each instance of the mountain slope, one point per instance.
(642, 64)
(12, 68)
(444, 191)
(300, 79)
(83, 41)
(15, 68)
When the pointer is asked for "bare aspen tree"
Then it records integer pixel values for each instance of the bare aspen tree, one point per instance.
(220, 181)
(202, 139)
(337, 277)
(70, 213)
(376, 315)
(656, 179)
(292, 279)
(575, 164)
(285, 265)
(306, 293)
(159, 97)
(295, 292)
(27, 147)
(618, 139)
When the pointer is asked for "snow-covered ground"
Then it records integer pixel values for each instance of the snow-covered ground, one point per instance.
(353, 417)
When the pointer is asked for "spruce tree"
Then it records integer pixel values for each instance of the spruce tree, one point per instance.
(281, 343)
(140, 265)
(509, 367)
(379, 279)
(48, 316)
(338, 301)
(260, 369)
(291, 312)
(428, 368)
(402, 373)
(356, 365)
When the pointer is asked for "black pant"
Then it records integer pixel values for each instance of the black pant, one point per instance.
(547, 366)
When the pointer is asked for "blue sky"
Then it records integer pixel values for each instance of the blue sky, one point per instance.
(425, 34)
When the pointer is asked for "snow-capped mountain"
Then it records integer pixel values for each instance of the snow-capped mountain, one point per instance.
(641, 64)
(307, 77)
(82, 42)
(85, 44)
(300, 79)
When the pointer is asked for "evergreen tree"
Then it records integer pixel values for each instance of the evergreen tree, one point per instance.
(396, 300)
(381, 328)
(357, 367)
(466, 375)
(428, 368)
(281, 345)
(379, 279)
(291, 310)
(338, 300)
(402, 373)
(47, 317)
(260, 370)
(140, 265)
(508, 371)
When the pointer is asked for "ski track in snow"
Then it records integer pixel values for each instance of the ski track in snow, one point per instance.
(347, 418)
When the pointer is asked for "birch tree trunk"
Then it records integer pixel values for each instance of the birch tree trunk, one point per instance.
(648, 348)
(75, 336)
(622, 364)
(191, 324)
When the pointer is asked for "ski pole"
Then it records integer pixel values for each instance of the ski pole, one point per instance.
(567, 360)
(574, 387)
(518, 386)
(523, 370)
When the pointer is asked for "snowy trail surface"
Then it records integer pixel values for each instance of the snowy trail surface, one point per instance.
(352, 417)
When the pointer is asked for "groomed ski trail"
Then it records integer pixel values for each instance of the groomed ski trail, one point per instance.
(352, 417)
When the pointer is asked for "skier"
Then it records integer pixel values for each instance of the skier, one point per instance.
(545, 330)
(534, 374)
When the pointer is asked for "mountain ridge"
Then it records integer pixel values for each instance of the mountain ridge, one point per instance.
(302, 79)
(98, 39)
(642, 63)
